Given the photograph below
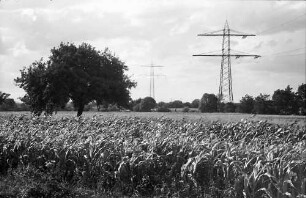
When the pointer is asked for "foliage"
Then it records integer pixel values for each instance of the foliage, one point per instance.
(80, 73)
(229, 107)
(185, 109)
(208, 103)
(3, 97)
(8, 105)
(195, 103)
(147, 104)
(285, 101)
(301, 99)
(113, 107)
(136, 108)
(176, 104)
(163, 109)
(263, 105)
(187, 104)
(246, 104)
(54, 157)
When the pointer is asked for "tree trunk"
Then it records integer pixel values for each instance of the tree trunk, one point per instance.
(80, 110)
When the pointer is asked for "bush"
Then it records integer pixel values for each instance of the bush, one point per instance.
(163, 109)
(113, 107)
(136, 108)
(185, 109)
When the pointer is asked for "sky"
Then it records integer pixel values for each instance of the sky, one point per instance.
(164, 33)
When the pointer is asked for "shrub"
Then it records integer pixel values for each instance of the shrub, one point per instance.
(163, 109)
(113, 107)
(185, 109)
(147, 104)
(136, 108)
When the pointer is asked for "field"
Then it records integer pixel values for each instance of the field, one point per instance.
(152, 155)
(192, 116)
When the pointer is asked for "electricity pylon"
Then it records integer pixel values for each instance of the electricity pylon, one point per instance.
(152, 79)
(225, 88)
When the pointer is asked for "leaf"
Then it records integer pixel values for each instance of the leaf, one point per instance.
(289, 182)
(266, 191)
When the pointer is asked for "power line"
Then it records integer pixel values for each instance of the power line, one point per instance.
(274, 27)
(291, 54)
(281, 52)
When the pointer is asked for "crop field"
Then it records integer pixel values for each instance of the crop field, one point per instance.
(116, 155)
(192, 116)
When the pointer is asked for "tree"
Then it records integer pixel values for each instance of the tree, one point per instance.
(220, 106)
(162, 107)
(8, 105)
(208, 103)
(246, 104)
(195, 103)
(285, 101)
(3, 97)
(162, 104)
(176, 104)
(34, 81)
(78, 73)
(263, 105)
(301, 99)
(229, 107)
(187, 104)
(147, 104)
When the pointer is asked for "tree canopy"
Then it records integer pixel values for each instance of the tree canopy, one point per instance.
(208, 103)
(195, 103)
(301, 99)
(3, 97)
(263, 105)
(246, 104)
(144, 105)
(285, 101)
(78, 73)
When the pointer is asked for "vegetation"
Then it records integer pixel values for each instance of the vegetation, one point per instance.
(78, 73)
(91, 157)
(246, 104)
(3, 97)
(146, 104)
(284, 102)
(208, 103)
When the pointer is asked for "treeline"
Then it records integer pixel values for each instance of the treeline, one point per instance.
(9, 104)
(282, 102)
(149, 104)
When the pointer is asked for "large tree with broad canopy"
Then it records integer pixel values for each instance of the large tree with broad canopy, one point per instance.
(78, 73)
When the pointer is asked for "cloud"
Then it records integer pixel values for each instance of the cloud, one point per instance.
(164, 33)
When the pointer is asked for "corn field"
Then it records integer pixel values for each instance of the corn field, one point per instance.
(157, 157)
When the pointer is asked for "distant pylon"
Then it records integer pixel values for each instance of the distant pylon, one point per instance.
(152, 79)
(225, 87)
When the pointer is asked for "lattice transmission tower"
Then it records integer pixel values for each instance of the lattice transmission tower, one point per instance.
(225, 87)
(152, 78)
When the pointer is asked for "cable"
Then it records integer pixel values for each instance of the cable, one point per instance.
(267, 30)
(281, 52)
(292, 54)
(241, 52)
(232, 30)
(212, 32)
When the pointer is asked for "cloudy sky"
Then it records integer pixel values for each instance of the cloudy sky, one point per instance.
(163, 32)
